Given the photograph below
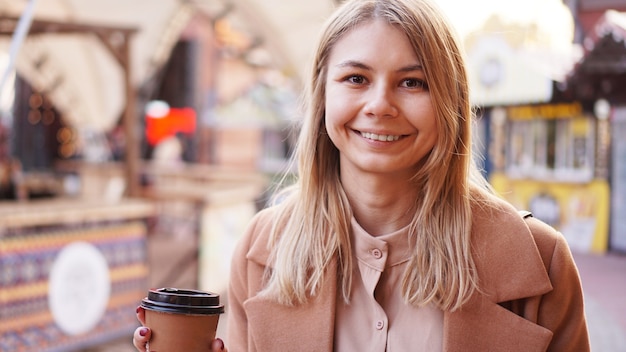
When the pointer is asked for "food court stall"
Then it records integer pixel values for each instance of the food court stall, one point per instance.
(599, 79)
(71, 272)
(72, 269)
(545, 151)
(552, 159)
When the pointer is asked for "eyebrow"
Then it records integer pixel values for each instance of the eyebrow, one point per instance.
(358, 64)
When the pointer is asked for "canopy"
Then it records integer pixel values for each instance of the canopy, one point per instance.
(93, 74)
(84, 79)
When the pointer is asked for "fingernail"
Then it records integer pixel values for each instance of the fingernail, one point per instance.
(221, 343)
(138, 309)
(143, 331)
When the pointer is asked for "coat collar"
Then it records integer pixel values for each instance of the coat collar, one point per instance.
(509, 267)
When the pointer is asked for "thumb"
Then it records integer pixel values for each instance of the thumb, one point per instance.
(141, 337)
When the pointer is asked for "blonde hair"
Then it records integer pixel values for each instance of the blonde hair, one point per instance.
(313, 225)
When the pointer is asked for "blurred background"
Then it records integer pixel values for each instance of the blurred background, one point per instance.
(138, 138)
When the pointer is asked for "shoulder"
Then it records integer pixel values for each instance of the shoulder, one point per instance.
(254, 244)
(504, 247)
(551, 244)
(544, 234)
(495, 217)
(250, 256)
(261, 223)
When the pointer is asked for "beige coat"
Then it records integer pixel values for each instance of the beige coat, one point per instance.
(531, 301)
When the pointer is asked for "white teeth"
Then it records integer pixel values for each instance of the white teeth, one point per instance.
(379, 137)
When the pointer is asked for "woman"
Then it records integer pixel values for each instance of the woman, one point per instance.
(390, 240)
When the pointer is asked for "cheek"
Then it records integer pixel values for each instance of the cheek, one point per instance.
(339, 111)
(339, 100)
(333, 126)
(432, 135)
(332, 112)
(423, 116)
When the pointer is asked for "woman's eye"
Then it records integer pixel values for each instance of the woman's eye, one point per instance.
(414, 83)
(356, 79)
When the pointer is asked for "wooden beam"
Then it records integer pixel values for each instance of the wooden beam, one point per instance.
(132, 151)
(41, 26)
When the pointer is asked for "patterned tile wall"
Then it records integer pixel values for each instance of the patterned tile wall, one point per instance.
(27, 320)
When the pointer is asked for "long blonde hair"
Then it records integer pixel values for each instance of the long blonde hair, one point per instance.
(313, 223)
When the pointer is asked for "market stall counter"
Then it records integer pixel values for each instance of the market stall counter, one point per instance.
(205, 210)
(72, 272)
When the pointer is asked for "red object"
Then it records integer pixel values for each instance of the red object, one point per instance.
(177, 120)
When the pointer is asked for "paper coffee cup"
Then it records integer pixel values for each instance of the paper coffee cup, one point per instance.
(181, 319)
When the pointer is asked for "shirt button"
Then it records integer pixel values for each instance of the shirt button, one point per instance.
(377, 253)
(379, 325)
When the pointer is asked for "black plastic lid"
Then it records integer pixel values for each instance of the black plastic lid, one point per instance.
(183, 301)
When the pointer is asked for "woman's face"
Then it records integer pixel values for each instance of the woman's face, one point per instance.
(379, 112)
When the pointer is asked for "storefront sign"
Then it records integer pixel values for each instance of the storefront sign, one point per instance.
(79, 288)
(499, 75)
(545, 111)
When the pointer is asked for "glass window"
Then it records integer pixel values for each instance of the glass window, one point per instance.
(520, 152)
(560, 148)
(575, 149)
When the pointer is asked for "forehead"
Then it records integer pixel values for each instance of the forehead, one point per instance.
(374, 40)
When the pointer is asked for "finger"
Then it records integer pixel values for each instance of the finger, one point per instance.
(141, 315)
(218, 346)
(141, 337)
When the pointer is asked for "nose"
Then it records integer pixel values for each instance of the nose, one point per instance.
(381, 102)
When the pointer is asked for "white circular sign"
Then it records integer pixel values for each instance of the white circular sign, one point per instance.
(491, 72)
(79, 288)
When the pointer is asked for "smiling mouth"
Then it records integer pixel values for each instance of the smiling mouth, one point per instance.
(380, 137)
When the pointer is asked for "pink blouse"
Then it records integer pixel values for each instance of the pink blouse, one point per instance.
(377, 318)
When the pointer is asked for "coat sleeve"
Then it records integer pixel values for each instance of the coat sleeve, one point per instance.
(562, 309)
(239, 292)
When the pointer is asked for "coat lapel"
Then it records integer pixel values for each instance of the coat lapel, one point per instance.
(281, 328)
(510, 268)
(485, 326)
(307, 327)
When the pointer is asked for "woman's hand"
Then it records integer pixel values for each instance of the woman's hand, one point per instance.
(142, 336)
(142, 333)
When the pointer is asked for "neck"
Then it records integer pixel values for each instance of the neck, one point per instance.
(380, 204)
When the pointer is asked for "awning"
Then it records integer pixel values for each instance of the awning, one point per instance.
(86, 83)
(601, 72)
(89, 86)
